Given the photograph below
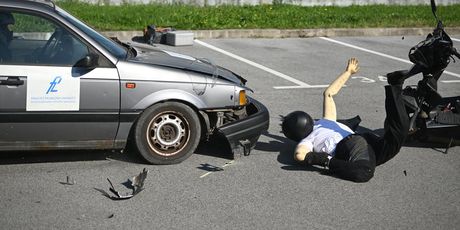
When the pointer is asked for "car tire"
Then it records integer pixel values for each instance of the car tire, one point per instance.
(167, 133)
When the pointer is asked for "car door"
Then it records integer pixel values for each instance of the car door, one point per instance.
(48, 99)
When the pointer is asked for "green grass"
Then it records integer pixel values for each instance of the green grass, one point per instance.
(136, 17)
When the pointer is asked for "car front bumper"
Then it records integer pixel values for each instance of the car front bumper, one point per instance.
(242, 135)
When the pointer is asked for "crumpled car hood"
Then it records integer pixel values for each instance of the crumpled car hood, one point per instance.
(149, 55)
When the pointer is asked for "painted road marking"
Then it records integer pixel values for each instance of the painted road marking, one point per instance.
(299, 84)
(223, 166)
(379, 54)
(451, 81)
(300, 87)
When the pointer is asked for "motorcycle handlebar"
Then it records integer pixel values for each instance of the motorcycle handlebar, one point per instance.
(415, 69)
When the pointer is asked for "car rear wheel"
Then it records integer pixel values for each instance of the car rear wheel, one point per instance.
(167, 133)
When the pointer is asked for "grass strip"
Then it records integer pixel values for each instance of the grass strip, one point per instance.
(280, 16)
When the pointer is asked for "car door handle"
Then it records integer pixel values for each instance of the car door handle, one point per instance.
(12, 81)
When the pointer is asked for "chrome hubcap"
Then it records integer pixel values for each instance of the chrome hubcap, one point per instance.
(168, 133)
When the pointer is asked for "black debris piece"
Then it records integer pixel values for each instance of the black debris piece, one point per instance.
(405, 173)
(210, 168)
(68, 181)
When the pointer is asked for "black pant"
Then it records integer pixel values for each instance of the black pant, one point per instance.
(357, 155)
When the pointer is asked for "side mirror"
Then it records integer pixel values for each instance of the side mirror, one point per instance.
(89, 61)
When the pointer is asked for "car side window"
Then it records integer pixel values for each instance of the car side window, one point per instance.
(40, 41)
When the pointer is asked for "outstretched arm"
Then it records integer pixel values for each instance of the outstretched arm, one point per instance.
(329, 108)
(329, 111)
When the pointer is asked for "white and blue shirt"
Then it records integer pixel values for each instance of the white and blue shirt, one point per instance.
(325, 136)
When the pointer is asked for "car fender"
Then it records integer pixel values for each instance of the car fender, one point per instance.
(167, 95)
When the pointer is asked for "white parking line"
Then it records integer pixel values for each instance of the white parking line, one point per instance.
(379, 54)
(299, 84)
(300, 87)
(454, 39)
(451, 81)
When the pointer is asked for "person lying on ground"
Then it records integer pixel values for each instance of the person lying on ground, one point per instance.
(336, 147)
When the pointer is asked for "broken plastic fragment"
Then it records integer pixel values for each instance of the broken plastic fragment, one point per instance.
(138, 181)
(117, 194)
(137, 185)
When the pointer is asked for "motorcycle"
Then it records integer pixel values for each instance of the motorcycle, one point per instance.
(433, 119)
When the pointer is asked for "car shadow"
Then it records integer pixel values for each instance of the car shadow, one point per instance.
(129, 154)
(216, 146)
(30, 157)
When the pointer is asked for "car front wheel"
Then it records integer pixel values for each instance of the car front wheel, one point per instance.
(167, 133)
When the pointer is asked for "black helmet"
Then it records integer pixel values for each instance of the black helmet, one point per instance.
(297, 125)
(6, 18)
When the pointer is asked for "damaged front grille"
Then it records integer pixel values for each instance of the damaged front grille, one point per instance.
(230, 116)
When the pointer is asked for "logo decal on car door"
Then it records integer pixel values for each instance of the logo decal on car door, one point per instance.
(56, 91)
(53, 84)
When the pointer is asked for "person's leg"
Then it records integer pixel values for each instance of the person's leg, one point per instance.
(354, 160)
(396, 125)
(356, 171)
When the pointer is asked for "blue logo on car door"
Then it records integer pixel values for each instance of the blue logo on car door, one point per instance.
(53, 85)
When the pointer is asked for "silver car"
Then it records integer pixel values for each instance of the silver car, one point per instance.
(65, 86)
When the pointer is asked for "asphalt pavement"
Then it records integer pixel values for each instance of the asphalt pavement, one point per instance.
(418, 189)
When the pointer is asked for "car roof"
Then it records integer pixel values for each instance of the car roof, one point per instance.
(35, 4)
(48, 7)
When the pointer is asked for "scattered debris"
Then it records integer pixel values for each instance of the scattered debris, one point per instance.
(405, 173)
(137, 185)
(111, 216)
(210, 168)
(68, 181)
(402, 38)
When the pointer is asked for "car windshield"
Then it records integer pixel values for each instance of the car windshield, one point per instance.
(111, 46)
